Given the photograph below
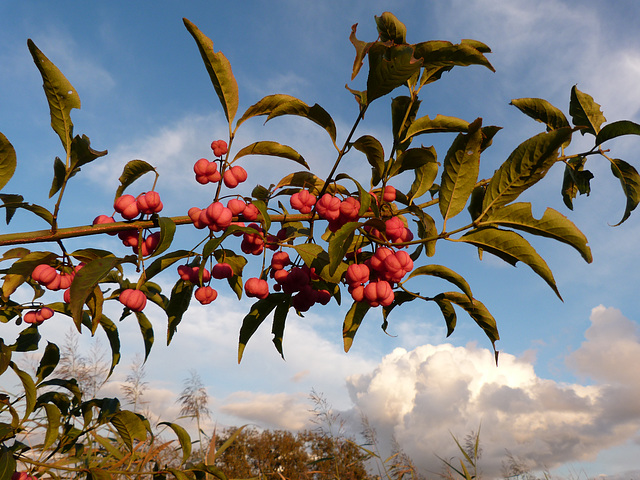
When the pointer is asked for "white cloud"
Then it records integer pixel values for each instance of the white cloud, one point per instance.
(280, 410)
(423, 396)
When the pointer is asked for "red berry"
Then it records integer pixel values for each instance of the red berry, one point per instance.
(219, 216)
(206, 295)
(256, 287)
(149, 203)
(328, 207)
(133, 299)
(129, 238)
(206, 171)
(250, 212)
(102, 219)
(357, 274)
(126, 206)
(222, 270)
(378, 293)
(234, 176)
(236, 206)
(280, 260)
(303, 201)
(44, 273)
(219, 147)
(67, 296)
(30, 317)
(389, 194)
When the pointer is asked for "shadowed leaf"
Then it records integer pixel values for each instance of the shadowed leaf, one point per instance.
(316, 114)
(273, 149)
(612, 130)
(444, 273)
(630, 183)
(575, 180)
(541, 111)
(259, 312)
(7, 161)
(441, 123)
(48, 362)
(372, 148)
(146, 329)
(352, 322)
(132, 171)
(389, 68)
(585, 112)
(391, 29)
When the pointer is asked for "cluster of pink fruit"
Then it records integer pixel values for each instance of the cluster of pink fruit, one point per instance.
(48, 277)
(205, 294)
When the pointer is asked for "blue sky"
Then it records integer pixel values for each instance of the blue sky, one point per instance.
(563, 394)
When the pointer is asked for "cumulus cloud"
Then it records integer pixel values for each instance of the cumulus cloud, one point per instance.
(423, 396)
(280, 410)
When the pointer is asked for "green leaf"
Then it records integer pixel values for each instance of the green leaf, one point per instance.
(441, 123)
(510, 247)
(444, 273)
(60, 93)
(612, 130)
(8, 161)
(413, 159)
(448, 312)
(167, 231)
(362, 48)
(179, 474)
(28, 262)
(372, 148)
(460, 172)
(339, 244)
(352, 322)
(585, 112)
(129, 427)
(273, 149)
(183, 438)
(399, 298)
(438, 54)
(59, 175)
(53, 425)
(237, 263)
(85, 282)
(219, 70)
(552, 225)
(279, 320)
(146, 329)
(48, 362)
(575, 180)
(526, 165)
(477, 311)
(363, 195)
(265, 106)
(11, 203)
(391, 29)
(29, 390)
(403, 113)
(541, 111)
(315, 257)
(5, 356)
(389, 68)
(111, 331)
(7, 464)
(132, 171)
(98, 474)
(630, 183)
(316, 114)
(181, 294)
(159, 264)
(82, 153)
(27, 340)
(259, 312)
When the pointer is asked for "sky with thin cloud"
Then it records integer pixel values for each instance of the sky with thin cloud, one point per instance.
(564, 395)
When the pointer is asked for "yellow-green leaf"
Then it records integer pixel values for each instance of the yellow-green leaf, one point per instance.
(585, 112)
(273, 149)
(7, 161)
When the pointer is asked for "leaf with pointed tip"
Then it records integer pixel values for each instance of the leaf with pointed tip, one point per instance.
(413, 159)
(399, 298)
(441, 123)
(372, 148)
(279, 320)
(181, 294)
(219, 70)
(316, 114)
(526, 165)
(27, 340)
(403, 113)
(438, 53)
(86, 280)
(575, 180)
(477, 311)
(630, 183)
(259, 312)
(8, 464)
(132, 171)
(352, 322)
(60, 93)
(552, 225)
(183, 438)
(510, 247)
(339, 244)
(488, 133)
(7, 161)
(48, 362)
(159, 264)
(585, 112)
(613, 130)
(362, 48)
(130, 427)
(542, 111)
(111, 331)
(82, 153)
(425, 175)
(444, 273)
(11, 202)
(53, 425)
(29, 389)
(167, 231)
(389, 68)
(59, 175)
(146, 329)
(363, 196)
(460, 171)
(273, 149)
(448, 312)
(391, 29)
(264, 107)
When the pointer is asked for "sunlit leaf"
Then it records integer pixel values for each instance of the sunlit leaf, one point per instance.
(352, 322)
(339, 244)
(362, 48)
(541, 111)
(146, 329)
(273, 149)
(372, 148)
(526, 165)
(130, 427)
(132, 171)
(167, 231)
(460, 172)
(438, 53)
(265, 106)
(445, 273)
(630, 183)
(316, 114)
(585, 112)
(183, 438)
(391, 29)
(29, 390)
(314, 256)
(510, 247)
(53, 425)
(60, 93)
(7, 161)
(609, 131)
(441, 123)
(552, 225)
(389, 68)
(219, 70)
